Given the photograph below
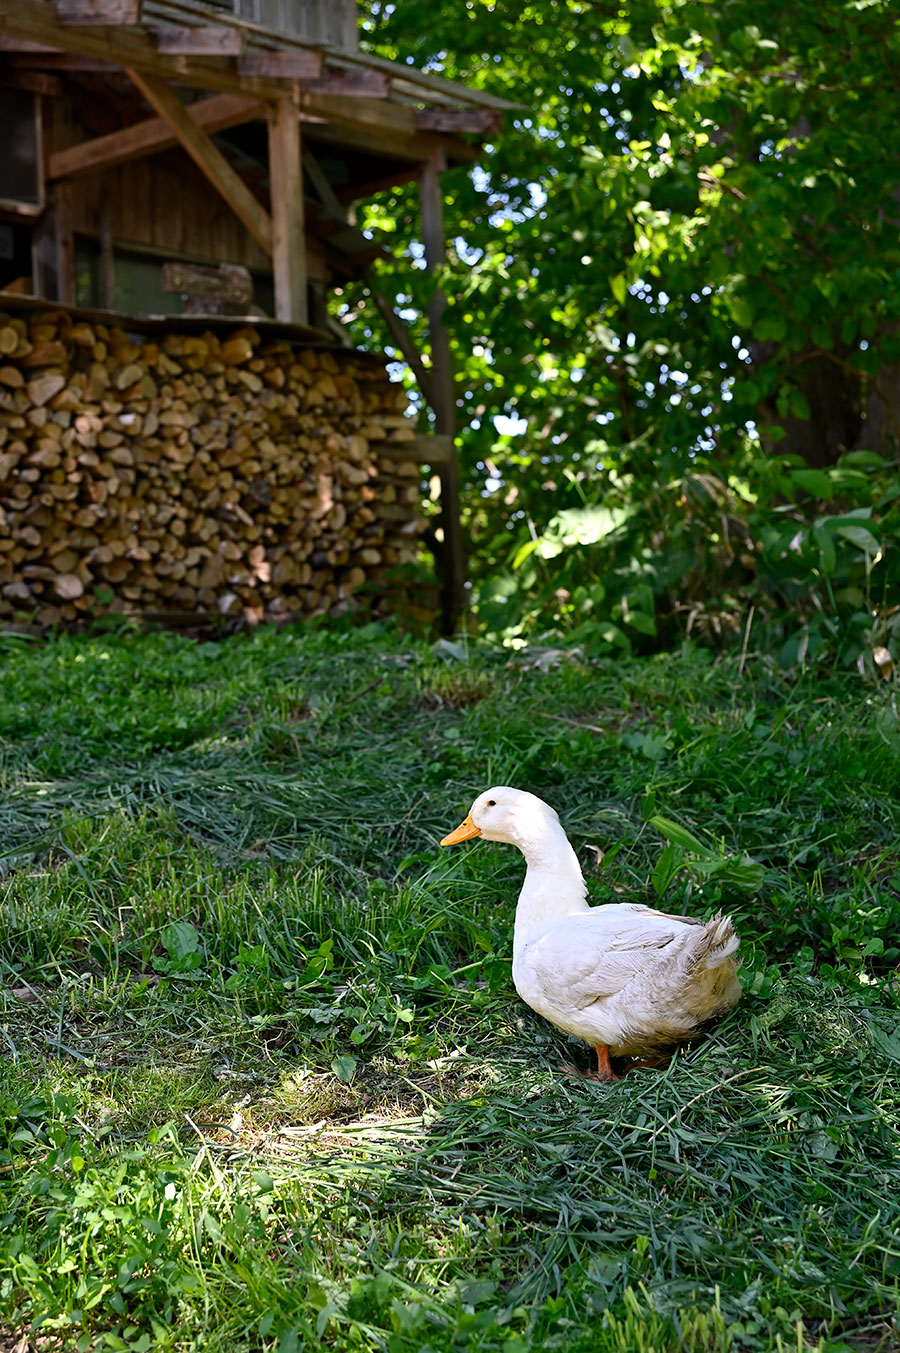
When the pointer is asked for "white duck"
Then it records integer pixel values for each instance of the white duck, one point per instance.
(629, 980)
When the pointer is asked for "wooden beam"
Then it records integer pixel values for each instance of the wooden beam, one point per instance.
(453, 581)
(403, 339)
(319, 180)
(295, 65)
(208, 158)
(63, 61)
(288, 225)
(334, 126)
(205, 41)
(105, 12)
(352, 192)
(146, 138)
(378, 114)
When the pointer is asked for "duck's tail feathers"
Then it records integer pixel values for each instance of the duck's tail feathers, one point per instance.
(719, 943)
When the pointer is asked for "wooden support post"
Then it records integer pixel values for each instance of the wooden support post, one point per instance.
(443, 396)
(65, 245)
(288, 224)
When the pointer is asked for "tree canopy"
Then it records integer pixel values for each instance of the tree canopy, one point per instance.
(672, 286)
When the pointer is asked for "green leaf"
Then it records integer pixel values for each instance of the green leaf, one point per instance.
(673, 831)
(888, 1044)
(748, 877)
(741, 312)
(618, 288)
(344, 1067)
(827, 552)
(667, 866)
(644, 624)
(816, 482)
(523, 552)
(858, 536)
(180, 939)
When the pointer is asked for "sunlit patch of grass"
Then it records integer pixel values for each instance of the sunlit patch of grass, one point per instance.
(267, 1084)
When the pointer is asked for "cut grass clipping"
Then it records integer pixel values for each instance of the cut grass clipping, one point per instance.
(268, 1086)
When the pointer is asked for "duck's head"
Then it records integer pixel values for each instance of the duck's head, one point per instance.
(505, 814)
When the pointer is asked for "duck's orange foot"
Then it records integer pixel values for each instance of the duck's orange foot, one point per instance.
(604, 1070)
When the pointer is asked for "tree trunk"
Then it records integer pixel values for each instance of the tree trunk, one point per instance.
(880, 431)
(834, 395)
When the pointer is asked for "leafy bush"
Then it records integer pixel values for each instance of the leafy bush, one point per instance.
(813, 552)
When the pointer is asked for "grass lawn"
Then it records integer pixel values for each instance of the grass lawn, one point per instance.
(267, 1084)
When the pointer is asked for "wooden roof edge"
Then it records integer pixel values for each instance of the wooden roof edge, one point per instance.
(11, 303)
(170, 10)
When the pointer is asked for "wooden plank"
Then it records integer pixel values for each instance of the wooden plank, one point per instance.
(107, 265)
(229, 286)
(453, 564)
(346, 84)
(33, 82)
(10, 43)
(106, 12)
(205, 41)
(146, 138)
(426, 449)
(281, 65)
(472, 121)
(288, 224)
(207, 157)
(65, 245)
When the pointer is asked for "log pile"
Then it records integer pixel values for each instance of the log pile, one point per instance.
(195, 474)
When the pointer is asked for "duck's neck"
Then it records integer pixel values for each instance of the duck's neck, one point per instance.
(553, 887)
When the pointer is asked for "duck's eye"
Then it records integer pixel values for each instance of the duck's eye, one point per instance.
(492, 803)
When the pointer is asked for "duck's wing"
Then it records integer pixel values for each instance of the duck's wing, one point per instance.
(594, 954)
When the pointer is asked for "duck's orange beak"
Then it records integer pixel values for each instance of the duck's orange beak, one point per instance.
(464, 832)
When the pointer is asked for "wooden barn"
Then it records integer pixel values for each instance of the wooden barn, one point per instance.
(171, 169)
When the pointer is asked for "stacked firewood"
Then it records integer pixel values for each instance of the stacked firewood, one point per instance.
(195, 473)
